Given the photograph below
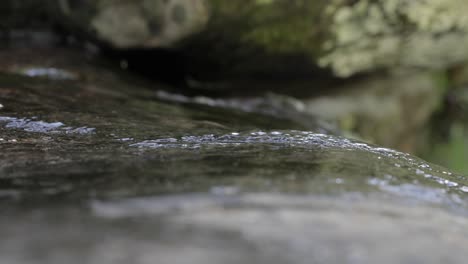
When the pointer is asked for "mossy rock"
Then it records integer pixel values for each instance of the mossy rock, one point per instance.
(245, 37)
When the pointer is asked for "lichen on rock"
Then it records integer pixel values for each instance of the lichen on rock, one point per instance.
(373, 34)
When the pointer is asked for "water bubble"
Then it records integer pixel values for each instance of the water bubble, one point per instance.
(388, 176)
(79, 130)
(445, 182)
(125, 139)
(425, 166)
(224, 190)
(339, 181)
(29, 125)
(258, 133)
(50, 73)
(165, 140)
(377, 182)
(419, 172)
(450, 183)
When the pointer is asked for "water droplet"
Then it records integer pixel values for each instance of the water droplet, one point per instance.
(125, 139)
(259, 133)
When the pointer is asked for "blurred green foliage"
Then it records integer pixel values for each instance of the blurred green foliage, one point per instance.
(453, 153)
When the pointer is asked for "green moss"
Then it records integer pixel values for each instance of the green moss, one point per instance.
(282, 37)
(443, 84)
(454, 152)
(276, 26)
(264, 2)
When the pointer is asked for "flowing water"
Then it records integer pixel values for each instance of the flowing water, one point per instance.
(94, 168)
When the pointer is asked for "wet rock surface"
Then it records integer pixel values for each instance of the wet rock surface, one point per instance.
(96, 169)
